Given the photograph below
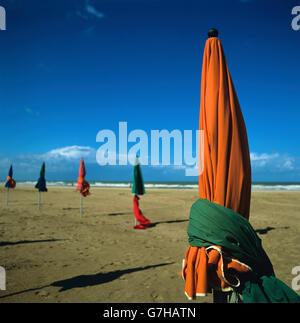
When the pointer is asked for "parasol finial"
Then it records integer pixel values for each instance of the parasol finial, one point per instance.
(213, 32)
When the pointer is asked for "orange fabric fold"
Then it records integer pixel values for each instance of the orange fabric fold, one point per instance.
(210, 268)
(12, 182)
(201, 272)
(82, 185)
(85, 186)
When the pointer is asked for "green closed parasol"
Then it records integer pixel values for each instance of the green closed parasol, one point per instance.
(138, 187)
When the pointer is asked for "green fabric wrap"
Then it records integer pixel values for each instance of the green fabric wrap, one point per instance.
(41, 183)
(213, 224)
(138, 183)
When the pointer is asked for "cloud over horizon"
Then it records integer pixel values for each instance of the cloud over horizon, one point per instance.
(276, 161)
(71, 152)
(62, 163)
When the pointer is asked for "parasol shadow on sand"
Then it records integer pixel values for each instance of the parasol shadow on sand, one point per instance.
(88, 280)
(13, 243)
(267, 229)
(153, 224)
(98, 279)
(118, 213)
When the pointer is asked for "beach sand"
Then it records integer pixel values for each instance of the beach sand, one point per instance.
(54, 255)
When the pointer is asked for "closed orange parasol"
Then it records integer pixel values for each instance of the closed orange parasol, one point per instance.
(225, 254)
(226, 176)
(82, 185)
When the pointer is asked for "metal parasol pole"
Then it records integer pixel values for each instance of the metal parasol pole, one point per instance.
(7, 196)
(219, 296)
(39, 201)
(81, 205)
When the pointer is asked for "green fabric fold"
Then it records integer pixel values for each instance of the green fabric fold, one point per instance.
(213, 224)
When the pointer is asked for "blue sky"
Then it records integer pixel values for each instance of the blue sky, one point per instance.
(69, 69)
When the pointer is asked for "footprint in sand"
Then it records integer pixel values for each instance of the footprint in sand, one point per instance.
(42, 293)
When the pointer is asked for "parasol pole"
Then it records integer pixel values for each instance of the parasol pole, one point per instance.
(81, 205)
(7, 196)
(39, 201)
(135, 221)
(220, 297)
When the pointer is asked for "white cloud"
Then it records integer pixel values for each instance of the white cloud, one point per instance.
(88, 11)
(57, 160)
(263, 156)
(289, 164)
(272, 162)
(93, 11)
(260, 160)
(66, 160)
(70, 152)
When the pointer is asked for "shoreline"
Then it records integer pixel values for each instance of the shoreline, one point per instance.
(29, 187)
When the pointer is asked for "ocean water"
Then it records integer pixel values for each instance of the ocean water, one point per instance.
(256, 186)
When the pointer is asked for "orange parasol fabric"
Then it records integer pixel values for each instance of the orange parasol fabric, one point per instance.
(211, 267)
(82, 185)
(226, 176)
(10, 182)
(144, 223)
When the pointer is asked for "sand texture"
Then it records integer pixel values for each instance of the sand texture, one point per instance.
(54, 255)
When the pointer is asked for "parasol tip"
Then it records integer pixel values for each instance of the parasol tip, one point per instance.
(213, 32)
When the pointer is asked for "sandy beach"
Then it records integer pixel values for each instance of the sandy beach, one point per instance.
(54, 255)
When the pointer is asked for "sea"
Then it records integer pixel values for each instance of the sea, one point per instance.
(256, 186)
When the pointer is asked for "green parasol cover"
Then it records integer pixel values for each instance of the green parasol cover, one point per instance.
(213, 224)
(138, 187)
